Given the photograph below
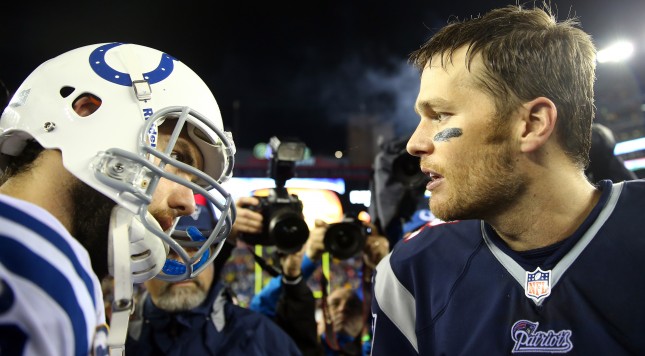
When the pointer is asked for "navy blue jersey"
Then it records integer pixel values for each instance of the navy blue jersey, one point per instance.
(457, 289)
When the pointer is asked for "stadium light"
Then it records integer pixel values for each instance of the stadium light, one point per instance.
(634, 145)
(617, 52)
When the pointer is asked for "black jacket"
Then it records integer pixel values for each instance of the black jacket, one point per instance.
(217, 327)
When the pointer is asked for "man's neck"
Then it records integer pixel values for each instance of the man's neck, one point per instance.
(547, 214)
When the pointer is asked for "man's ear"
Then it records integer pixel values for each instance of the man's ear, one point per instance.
(538, 123)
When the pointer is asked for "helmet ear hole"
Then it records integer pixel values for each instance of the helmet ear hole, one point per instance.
(66, 91)
(86, 104)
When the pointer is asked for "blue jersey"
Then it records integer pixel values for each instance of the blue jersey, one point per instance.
(50, 299)
(457, 289)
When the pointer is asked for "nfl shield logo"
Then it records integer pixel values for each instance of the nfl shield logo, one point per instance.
(537, 285)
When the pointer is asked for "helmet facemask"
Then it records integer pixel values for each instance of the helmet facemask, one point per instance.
(113, 148)
(163, 144)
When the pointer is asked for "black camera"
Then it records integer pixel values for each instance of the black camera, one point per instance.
(346, 238)
(398, 186)
(405, 170)
(284, 224)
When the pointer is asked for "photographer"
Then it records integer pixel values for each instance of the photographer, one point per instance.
(397, 189)
(200, 316)
(280, 212)
(345, 306)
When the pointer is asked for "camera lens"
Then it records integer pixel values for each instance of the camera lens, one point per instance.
(405, 169)
(288, 230)
(344, 240)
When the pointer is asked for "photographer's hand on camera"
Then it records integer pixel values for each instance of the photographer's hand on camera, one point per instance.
(315, 246)
(376, 247)
(248, 221)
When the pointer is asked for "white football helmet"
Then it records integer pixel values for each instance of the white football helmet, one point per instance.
(114, 149)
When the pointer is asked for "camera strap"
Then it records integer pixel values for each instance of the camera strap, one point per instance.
(366, 285)
(330, 335)
(273, 271)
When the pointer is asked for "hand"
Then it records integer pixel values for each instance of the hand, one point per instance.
(247, 220)
(315, 246)
(376, 247)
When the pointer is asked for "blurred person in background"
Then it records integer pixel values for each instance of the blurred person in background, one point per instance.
(344, 328)
(397, 188)
(603, 163)
(199, 316)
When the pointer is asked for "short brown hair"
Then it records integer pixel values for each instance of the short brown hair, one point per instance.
(527, 54)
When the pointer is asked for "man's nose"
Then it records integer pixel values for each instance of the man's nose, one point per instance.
(182, 200)
(420, 142)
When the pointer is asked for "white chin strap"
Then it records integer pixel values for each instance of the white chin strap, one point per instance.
(135, 255)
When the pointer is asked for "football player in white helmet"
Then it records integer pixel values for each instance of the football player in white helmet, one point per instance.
(107, 143)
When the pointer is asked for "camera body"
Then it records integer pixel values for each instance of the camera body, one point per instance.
(347, 238)
(283, 221)
(405, 170)
(398, 187)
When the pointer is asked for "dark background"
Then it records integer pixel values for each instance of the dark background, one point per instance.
(285, 68)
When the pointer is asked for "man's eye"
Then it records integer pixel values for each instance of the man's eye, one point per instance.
(178, 156)
(439, 116)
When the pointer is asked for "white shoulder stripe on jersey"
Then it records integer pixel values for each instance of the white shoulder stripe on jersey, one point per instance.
(34, 311)
(60, 263)
(396, 302)
(40, 246)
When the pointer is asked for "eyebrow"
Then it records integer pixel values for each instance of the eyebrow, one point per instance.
(430, 105)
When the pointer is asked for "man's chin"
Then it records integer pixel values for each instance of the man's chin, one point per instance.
(182, 287)
(181, 297)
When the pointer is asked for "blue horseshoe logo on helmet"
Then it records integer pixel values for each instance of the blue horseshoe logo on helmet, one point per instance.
(100, 67)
